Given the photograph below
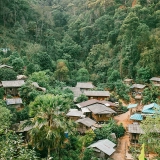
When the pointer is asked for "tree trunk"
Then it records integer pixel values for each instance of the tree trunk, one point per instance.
(49, 152)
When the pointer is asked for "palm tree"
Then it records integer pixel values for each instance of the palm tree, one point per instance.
(49, 122)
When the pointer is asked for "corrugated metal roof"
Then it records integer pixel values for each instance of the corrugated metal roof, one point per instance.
(16, 83)
(75, 113)
(151, 108)
(135, 128)
(155, 79)
(97, 93)
(132, 106)
(105, 146)
(12, 101)
(140, 86)
(137, 117)
(86, 121)
(85, 85)
(100, 109)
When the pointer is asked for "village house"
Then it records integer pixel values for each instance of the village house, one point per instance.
(74, 114)
(11, 87)
(134, 131)
(93, 101)
(150, 109)
(137, 90)
(100, 112)
(86, 124)
(99, 95)
(155, 81)
(84, 86)
(14, 102)
(128, 81)
(103, 148)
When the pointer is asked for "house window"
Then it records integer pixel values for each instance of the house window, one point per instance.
(100, 115)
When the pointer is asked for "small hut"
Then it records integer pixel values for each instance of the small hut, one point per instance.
(84, 86)
(103, 148)
(85, 124)
(128, 82)
(155, 81)
(134, 131)
(11, 87)
(74, 114)
(136, 117)
(14, 102)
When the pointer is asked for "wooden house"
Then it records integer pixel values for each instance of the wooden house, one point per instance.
(128, 81)
(11, 87)
(84, 106)
(84, 86)
(155, 81)
(103, 148)
(74, 114)
(85, 124)
(100, 112)
(99, 95)
(134, 131)
(137, 88)
(24, 129)
(14, 102)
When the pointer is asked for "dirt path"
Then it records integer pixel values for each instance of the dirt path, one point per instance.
(123, 142)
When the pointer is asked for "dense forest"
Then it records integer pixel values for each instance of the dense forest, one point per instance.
(58, 43)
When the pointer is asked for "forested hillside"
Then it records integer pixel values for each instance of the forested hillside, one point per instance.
(106, 40)
(57, 43)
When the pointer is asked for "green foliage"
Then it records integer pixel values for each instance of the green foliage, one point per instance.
(81, 98)
(37, 77)
(18, 65)
(5, 119)
(12, 146)
(1, 93)
(151, 127)
(150, 95)
(82, 75)
(7, 74)
(107, 129)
